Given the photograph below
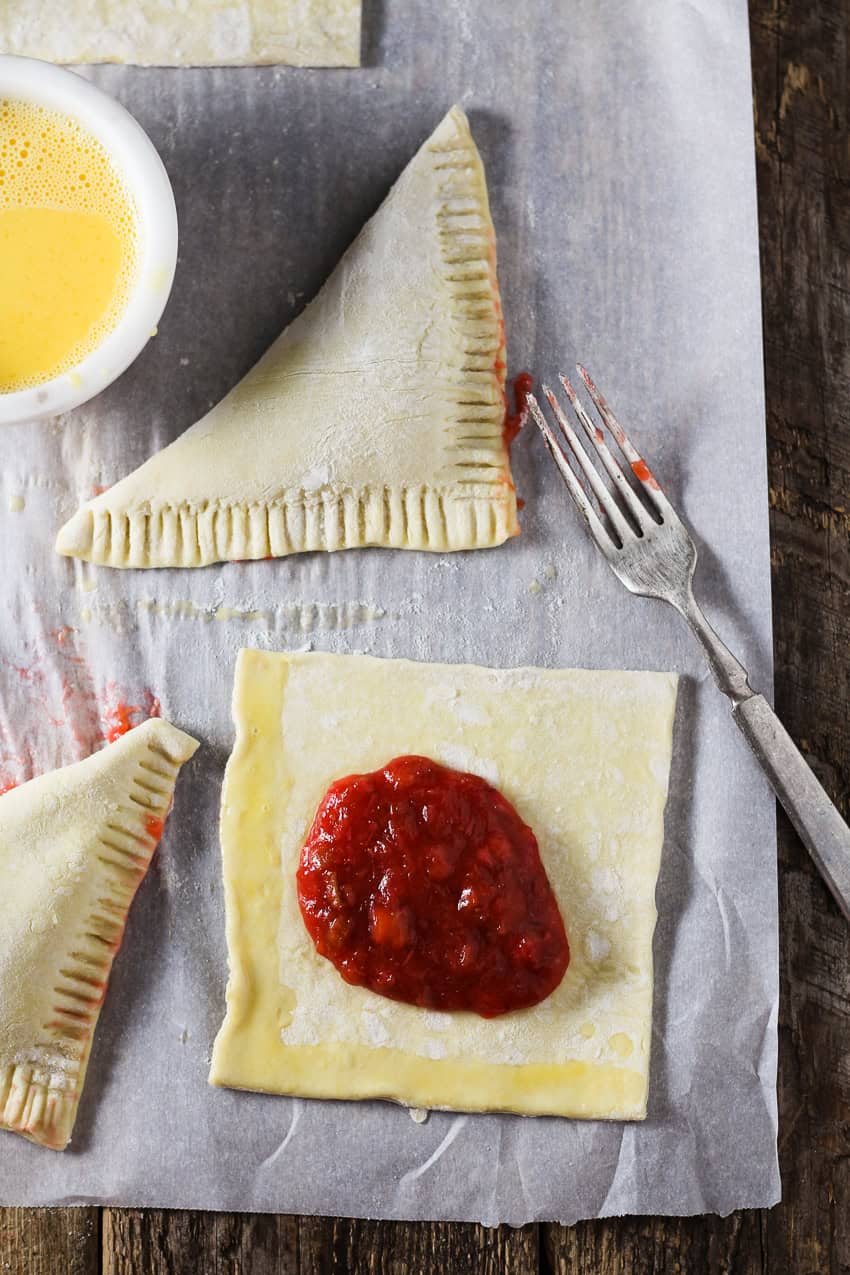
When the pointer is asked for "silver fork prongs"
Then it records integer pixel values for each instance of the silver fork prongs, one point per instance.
(627, 515)
(651, 551)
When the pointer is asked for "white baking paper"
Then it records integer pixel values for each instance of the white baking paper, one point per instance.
(617, 137)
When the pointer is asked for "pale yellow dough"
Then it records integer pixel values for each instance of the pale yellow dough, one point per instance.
(375, 419)
(584, 757)
(74, 845)
(184, 32)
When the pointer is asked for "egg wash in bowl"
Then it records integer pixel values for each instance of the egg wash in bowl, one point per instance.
(69, 244)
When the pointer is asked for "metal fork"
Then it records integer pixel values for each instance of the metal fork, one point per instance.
(649, 548)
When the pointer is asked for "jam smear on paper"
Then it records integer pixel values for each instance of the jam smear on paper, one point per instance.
(514, 421)
(62, 699)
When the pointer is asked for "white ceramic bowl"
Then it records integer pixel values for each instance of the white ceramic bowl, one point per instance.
(135, 158)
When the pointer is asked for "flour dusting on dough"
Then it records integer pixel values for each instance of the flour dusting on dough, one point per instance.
(596, 945)
(203, 33)
(466, 710)
(374, 1027)
(461, 758)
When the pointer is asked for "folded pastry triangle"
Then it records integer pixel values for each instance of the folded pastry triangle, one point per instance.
(74, 845)
(376, 418)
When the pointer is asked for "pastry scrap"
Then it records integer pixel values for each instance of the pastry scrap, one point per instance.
(205, 33)
(74, 846)
(377, 418)
(584, 759)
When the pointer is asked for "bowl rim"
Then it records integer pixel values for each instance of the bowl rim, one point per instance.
(136, 159)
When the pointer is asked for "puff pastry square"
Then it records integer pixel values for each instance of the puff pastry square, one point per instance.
(74, 845)
(583, 756)
(377, 418)
(184, 32)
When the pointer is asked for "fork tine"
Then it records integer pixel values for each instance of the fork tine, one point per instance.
(612, 466)
(603, 496)
(574, 487)
(638, 465)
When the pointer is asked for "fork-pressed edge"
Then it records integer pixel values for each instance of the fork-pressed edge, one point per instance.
(656, 557)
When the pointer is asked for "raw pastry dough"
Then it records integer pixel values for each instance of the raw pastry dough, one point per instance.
(184, 32)
(377, 418)
(74, 845)
(583, 756)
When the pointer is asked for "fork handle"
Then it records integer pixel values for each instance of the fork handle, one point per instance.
(821, 828)
(824, 833)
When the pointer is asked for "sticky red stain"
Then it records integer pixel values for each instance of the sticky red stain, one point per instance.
(643, 473)
(61, 692)
(98, 490)
(514, 421)
(15, 769)
(79, 715)
(119, 719)
(118, 716)
(61, 635)
(154, 827)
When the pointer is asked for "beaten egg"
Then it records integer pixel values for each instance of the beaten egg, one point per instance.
(68, 244)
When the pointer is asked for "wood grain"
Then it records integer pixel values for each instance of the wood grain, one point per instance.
(662, 1246)
(800, 71)
(49, 1241)
(175, 1243)
(801, 60)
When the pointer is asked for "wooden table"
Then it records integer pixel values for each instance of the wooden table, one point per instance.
(801, 65)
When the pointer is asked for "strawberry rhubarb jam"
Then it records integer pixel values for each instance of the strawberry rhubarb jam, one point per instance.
(424, 885)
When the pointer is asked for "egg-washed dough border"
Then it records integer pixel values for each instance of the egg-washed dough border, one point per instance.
(629, 715)
(203, 33)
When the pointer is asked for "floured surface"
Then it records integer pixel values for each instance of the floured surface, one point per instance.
(305, 721)
(200, 33)
(630, 247)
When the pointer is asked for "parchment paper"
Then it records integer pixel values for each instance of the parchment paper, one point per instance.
(617, 137)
